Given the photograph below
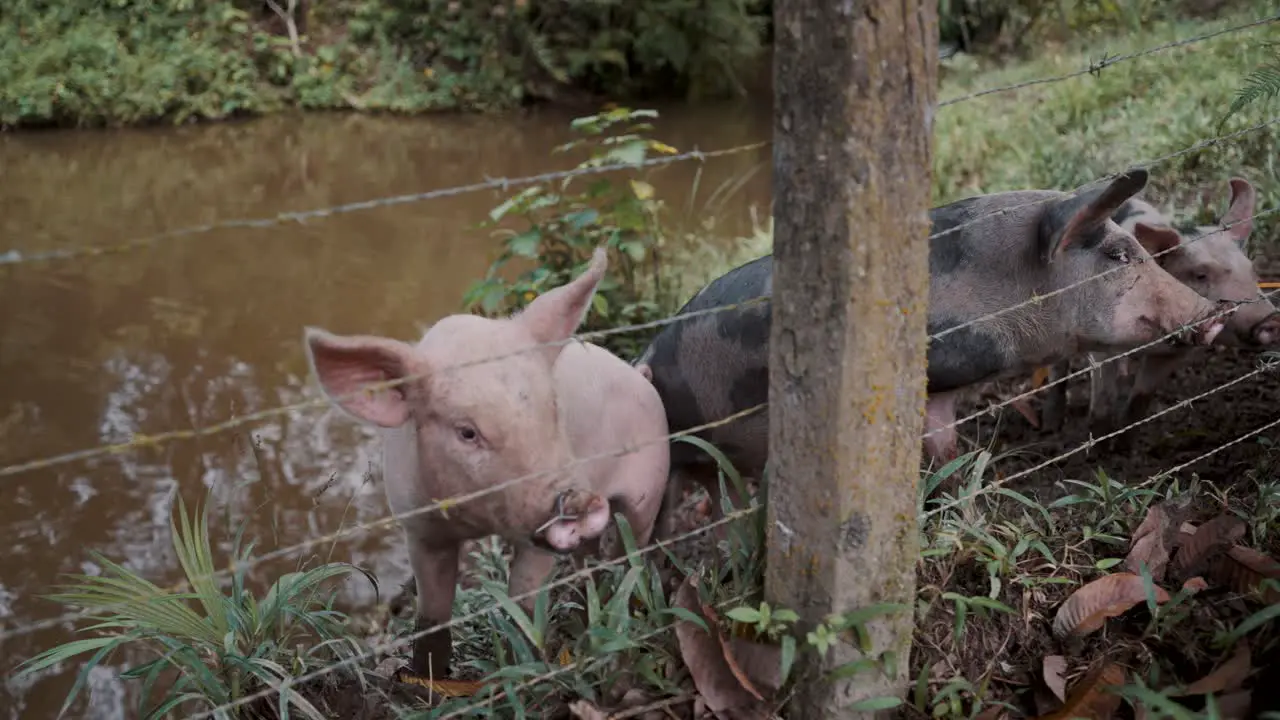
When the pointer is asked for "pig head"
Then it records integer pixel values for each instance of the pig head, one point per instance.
(1003, 250)
(1212, 261)
(512, 405)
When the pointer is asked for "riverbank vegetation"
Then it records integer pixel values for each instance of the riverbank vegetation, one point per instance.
(84, 63)
(999, 565)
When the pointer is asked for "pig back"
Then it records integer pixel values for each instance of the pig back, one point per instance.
(711, 366)
(603, 406)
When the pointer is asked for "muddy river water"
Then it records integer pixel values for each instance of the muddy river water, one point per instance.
(188, 332)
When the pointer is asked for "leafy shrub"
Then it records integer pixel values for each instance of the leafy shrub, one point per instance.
(235, 644)
(564, 228)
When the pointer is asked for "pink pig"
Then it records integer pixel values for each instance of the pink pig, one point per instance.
(462, 423)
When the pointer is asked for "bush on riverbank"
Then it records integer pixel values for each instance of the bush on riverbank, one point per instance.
(84, 63)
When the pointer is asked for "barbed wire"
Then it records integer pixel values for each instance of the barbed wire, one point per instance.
(386, 521)
(591, 664)
(453, 622)
(15, 257)
(145, 440)
(1097, 66)
(1203, 456)
(1092, 441)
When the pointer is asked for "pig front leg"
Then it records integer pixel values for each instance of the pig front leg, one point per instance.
(940, 442)
(531, 567)
(1153, 372)
(435, 569)
(1053, 411)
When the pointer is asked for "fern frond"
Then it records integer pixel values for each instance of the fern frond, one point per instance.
(1261, 84)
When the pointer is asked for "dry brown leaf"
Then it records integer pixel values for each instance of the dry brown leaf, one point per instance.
(1195, 585)
(1228, 676)
(1055, 676)
(704, 656)
(1235, 706)
(1025, 410)
(761, 662)
(1088, 608)
(1210, 540)
(585, 710)
(447, 688)
(1153, 540)
(1090, 697)
(1244, 570)
(710, 614)
(1039, 376)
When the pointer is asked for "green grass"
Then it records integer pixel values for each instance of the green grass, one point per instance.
(211, 645)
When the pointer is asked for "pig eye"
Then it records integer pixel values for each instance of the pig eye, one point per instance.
(1120, 255)
(468, 434)
(1202, 276)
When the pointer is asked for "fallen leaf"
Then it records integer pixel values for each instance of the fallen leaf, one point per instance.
(1154, 539)
(1235, 706)
(1210, 540)
(704, 656)
(1195, 585)
(585, 710)
(760, 662)
(447, 688)
(1244, 570)
(1055, 670)
(1024, 408)
(1088, 608)
(1090, 698)
(1039, 376)
(1230, 675)
(710, 614)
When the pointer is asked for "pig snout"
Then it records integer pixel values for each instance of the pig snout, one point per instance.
(1207, 330)
(587, 522)
(1266, 332)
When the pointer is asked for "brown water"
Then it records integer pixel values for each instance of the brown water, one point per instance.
(191, 331)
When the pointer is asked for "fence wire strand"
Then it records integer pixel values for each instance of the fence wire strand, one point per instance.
(15, 257)
(1093, 364)
(453, 622)
(1092, 441)
(1107, 61)
(145, 440)
(387, 521)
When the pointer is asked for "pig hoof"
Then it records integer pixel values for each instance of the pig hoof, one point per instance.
(431, 651)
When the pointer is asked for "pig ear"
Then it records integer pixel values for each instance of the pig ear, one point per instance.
(556, 314)
(345, 365)
(1240, 212)
(1075, 217)
(1156, 239)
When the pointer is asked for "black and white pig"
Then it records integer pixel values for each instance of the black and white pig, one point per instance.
(1012, 246)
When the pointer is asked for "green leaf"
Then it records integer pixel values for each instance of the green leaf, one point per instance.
(1107, 563)
(744, 615)
(526, 244)
(875, 703)
(788, 657)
